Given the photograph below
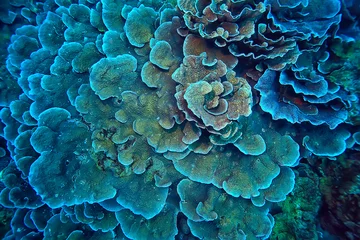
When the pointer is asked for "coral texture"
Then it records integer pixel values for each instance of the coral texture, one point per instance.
(171, 119)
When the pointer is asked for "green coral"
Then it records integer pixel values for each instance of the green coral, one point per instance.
(348, 66)
(297, 219)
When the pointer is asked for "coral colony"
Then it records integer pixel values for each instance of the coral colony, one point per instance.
(187, 119)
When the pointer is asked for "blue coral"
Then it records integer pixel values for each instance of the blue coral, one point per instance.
(162, 120)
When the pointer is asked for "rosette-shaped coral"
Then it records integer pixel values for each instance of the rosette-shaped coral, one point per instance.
(256, 170)
(303, 94)
(265, 32)
(211, 96)
(142, 119)
(305, 17)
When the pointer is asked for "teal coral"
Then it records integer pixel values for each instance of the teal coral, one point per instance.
(107, 74)
(212, 214)
(171, 119)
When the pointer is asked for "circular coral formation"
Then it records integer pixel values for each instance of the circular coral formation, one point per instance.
(209, 101)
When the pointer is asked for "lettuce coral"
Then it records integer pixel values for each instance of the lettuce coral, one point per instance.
(170, 119)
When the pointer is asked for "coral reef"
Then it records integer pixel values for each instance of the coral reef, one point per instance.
(175, 119)
(340, 187)
(298, 216)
